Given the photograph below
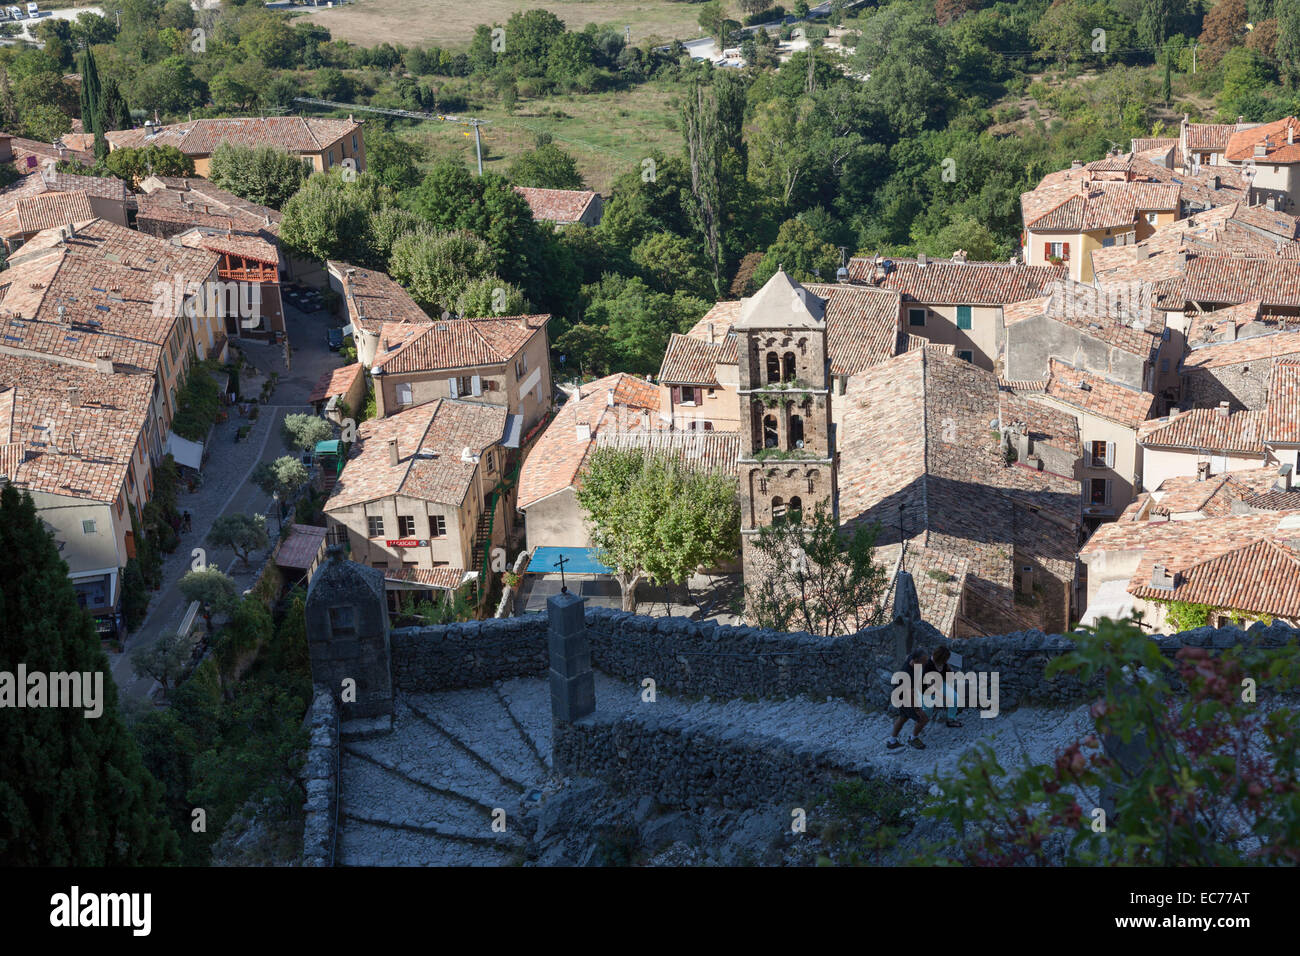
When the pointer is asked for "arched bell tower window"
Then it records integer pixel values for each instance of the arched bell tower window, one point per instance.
(773, 368)
(795, 509)
(787, 366)
(778, 510)
(769, 431)
(796, 431)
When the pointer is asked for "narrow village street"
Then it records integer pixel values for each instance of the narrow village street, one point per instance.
(228, 487)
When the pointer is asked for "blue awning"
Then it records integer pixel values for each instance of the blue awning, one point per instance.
(577, 561)
(514, 428)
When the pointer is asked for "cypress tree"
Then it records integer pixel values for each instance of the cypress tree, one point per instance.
(73, 789)
(114, 112)
(92, 102)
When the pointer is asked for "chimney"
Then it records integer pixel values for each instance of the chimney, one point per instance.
(392, 452)
(922, 259)
(1223, 409)
(1020, 436)
(1214, 181)
(1284, 477)
(959, 255)
(1271, 203)
(74, 397)
(1202, 470)
(1076, 164)
(523, 322)
(583, 430)
(1290, 135)
(104, 363)
(710, 326)
(1162, 578)
(1261, 149)
(609, 398)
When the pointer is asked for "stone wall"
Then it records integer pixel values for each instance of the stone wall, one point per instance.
(1242, 386)
(699, 766)
(320, 778)
(693, 658)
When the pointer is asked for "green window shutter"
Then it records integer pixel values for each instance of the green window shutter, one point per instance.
(963, 316)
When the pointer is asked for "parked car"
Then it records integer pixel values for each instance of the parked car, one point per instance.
(334, 338)
(16, 13)
(33, 10)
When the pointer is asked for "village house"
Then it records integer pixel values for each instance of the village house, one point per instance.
(1211, 441)
(249, 270)
(1074, 211)
(1116, 333)
(422, 498)
(503, 360)
(549, 477)
(29, 155)
(76, 440)
(563, 207)
(1243, 566)
(955, 302)
(1238, 371)
(989, 537)
(1109, 415)
(340, 393)
(26, 217)
(1271, 151)
(108, 197)
(321, 143)
(1204, 144)
(371, 300)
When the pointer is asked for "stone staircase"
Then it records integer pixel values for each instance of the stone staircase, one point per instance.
(425, 794)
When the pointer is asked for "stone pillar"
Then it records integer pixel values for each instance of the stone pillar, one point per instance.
(573, 686)
(907, 613)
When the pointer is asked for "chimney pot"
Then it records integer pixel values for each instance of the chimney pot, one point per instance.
(1162, 578)
(104, 363)
(1284, 475)
(583, 431)
(609, 397)
(74, 397)
(393, 457)
(1223, 409)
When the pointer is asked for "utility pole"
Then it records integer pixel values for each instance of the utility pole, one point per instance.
(1193, 58)
(478, 145)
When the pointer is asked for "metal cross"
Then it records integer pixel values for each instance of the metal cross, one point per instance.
(560, 563)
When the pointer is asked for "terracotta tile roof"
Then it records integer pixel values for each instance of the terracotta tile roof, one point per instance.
(60, 444)
(557, 205)
(1283, 422)
(296, 134)
(337, 381)
(1152, 143)
(940, 577)
(690, 361)
(861, 325)
(1100, 397)
(1022, 385)
(557, 456)
(1256, 348)
(1078, 205)
(374, 299)
(1207, 429)
(443, 578)
(232, 244)
(1216, 496)
(196, 201)
(430, 440)
(1209, 136)
(44, 212)
(942, 282)
(1274, 136)
(699, 450)
(1219, 279)
(302, 547)
(1047, 425)
(31, 153)
(49, 181)
(453, 343)
(917, 449)
(1246, 562)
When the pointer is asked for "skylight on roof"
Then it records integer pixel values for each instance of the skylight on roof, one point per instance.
(103, 308)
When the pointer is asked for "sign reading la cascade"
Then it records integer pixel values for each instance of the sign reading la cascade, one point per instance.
(405, 543)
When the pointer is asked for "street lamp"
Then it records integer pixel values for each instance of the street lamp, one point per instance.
(276, 496)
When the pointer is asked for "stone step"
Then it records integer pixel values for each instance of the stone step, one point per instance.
(365, 843)
(543, 757)
(471, 742)
(370, 790)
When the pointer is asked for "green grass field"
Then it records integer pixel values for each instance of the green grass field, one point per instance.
(605, 133)
(451, 24)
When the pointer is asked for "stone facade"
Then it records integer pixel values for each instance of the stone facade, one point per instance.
(1243, 385)
(347, 635)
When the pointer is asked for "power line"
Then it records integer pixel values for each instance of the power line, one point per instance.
(408, 114)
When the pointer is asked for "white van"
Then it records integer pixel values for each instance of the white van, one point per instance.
(16, 13)
(33, 10)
